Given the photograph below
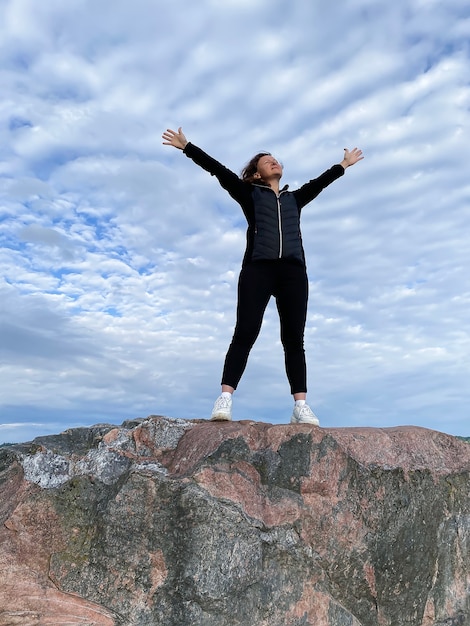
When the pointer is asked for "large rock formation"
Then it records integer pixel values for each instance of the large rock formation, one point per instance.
(193, 523)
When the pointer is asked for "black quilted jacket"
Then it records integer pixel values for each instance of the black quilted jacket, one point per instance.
(273, 221)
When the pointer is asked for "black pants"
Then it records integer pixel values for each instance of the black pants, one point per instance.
(258, 281)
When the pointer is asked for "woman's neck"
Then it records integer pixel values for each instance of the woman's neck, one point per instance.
(274, 184)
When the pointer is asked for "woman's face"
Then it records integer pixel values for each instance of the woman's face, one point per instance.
(268, 167)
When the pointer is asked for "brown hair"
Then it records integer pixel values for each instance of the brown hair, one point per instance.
(249, 171)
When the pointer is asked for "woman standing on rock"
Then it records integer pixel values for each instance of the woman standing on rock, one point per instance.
(273, 265)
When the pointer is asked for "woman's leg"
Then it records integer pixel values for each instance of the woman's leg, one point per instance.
(255, 287)
(291, 299)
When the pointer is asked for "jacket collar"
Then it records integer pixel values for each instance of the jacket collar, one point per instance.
(266, 186)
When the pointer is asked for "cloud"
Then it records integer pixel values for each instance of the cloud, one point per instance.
(120, 258)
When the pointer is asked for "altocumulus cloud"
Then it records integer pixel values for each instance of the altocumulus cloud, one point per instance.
(120, 258)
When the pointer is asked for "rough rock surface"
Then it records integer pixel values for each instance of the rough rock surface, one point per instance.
(193, 523)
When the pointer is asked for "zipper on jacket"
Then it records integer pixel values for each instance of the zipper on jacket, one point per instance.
(280, 225)
(279, 219)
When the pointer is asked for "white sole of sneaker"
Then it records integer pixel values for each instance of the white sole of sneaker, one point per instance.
(220, 417)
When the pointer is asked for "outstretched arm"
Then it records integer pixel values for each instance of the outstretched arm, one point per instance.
(351, 157)
(228, 179)
(310, 190)
(173, 138)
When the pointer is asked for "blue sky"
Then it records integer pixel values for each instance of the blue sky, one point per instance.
(119, 257)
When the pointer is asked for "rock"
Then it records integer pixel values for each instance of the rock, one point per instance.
(193, 523)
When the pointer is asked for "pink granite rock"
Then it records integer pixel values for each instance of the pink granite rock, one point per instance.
(195, 523)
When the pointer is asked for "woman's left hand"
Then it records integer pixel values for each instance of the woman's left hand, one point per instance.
(351, 157)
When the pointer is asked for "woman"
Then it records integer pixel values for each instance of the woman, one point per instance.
(273, 265)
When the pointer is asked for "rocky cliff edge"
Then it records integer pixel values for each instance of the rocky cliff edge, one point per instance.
(192, 523)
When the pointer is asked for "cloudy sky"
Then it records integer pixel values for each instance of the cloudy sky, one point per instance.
(120, 257)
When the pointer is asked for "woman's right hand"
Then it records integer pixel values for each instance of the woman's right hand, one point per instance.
(175, 139)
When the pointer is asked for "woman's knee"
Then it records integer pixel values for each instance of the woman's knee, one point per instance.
(244, 339)
(292, 343)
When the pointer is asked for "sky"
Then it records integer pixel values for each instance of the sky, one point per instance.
(120, 257)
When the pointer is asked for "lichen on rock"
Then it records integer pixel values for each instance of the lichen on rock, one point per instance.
(180, 522)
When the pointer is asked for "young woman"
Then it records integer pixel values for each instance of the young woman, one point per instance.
(273, 265)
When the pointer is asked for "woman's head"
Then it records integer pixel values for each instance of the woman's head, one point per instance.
(262, 166)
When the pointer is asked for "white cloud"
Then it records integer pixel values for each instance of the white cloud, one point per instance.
(120, 257)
